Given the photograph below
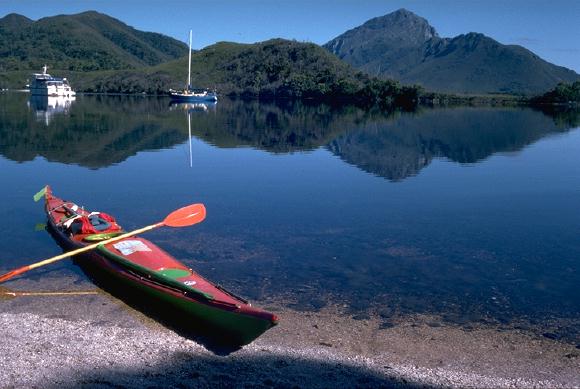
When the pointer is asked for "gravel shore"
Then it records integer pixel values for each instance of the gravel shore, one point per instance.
(94, 340)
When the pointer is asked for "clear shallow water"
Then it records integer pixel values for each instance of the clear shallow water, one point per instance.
(467, 213)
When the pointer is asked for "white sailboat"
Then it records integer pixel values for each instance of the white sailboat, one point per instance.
(188, 93)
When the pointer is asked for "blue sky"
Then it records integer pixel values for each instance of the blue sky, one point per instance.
(548, 28)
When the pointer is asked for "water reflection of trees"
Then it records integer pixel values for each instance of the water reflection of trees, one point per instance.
(95, 132)
(283, 127)
(99, 131)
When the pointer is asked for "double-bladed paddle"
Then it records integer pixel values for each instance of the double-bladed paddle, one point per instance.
(183, 217)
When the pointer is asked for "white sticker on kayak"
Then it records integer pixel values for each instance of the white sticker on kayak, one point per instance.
(127, 247)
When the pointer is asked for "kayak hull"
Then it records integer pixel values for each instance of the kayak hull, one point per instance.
(228, 321)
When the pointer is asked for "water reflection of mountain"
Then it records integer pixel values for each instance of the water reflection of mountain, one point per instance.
(98, 131)
(402, 146)
(393, 145)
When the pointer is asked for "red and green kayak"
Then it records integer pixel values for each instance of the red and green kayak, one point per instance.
(136, 267)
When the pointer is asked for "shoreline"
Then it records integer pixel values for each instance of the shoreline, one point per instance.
(94, 340)
(429, 99)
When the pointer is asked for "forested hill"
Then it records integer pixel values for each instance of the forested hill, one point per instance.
(274, 68)
(83, 42)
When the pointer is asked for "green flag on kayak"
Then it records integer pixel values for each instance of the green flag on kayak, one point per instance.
(40, 194)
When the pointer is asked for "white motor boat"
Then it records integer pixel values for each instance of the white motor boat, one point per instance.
(43, 84)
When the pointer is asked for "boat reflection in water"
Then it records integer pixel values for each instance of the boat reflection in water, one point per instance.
(206, 106)
(190, 108)
(46, 107)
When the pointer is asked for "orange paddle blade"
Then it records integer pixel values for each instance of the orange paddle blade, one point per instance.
(186, 216)
(14, 273)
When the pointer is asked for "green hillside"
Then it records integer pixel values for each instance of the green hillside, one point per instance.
(562, 94)
(84, 42)
(271, 69)
(276, 67)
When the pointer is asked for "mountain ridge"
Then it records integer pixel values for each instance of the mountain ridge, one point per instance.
(403, 46)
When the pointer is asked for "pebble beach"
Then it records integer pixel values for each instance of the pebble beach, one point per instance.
(94, 340)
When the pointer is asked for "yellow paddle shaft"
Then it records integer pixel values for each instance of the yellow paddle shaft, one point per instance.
(23, 269)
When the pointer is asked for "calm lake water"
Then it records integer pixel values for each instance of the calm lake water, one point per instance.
(470, 214)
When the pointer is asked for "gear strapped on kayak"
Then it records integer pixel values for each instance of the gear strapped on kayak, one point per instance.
(94, 223)
(77, 221)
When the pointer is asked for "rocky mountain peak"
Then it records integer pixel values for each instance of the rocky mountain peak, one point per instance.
(402, 24)
(397, 30)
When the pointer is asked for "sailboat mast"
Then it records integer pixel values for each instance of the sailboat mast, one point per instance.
(189, 67)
